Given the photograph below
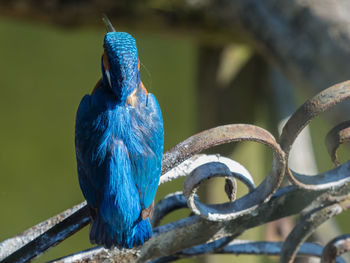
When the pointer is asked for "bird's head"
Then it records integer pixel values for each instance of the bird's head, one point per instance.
(120, 62)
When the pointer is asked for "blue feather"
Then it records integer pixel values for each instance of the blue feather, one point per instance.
(119, 147)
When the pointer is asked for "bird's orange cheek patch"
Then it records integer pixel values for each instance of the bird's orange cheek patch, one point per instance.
(132, 99)
(144, 88)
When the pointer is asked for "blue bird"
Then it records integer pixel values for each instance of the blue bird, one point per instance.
(119, 147)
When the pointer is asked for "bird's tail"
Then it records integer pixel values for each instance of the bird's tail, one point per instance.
(142, 231)
(101, 233)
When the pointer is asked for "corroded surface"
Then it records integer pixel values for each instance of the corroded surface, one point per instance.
(335, 248)
(320, 103)
(212, 228)
(335, 137)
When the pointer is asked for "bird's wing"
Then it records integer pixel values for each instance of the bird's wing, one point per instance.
(120, 204)
(87, 183)
(147, 178)
(106, 182)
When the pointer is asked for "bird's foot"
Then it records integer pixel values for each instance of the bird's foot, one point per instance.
(148, 212)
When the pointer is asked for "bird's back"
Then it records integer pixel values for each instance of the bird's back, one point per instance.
(119, 150)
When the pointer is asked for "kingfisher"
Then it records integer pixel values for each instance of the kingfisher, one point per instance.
(119, 146)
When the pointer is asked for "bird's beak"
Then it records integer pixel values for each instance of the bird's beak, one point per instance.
(106, 67)
(108, 78)
(108, 24)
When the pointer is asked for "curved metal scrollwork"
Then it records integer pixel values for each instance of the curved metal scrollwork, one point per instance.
(335, 248)
(330, 180)
(249, 202)
(303, 116)
(213, 227)
(335, 137)
(306, 226)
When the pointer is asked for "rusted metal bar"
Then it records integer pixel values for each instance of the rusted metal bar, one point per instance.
(219, 221)
(168, 204)
(322, 102)
(335, 137)
(305, 227)
(335, 248)
(49, 233)
(245, 247)
(232, 133)
(214, 137)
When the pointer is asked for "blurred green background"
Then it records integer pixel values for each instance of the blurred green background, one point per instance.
(45, 71)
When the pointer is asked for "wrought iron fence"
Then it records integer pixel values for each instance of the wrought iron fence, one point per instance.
(214, 228)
